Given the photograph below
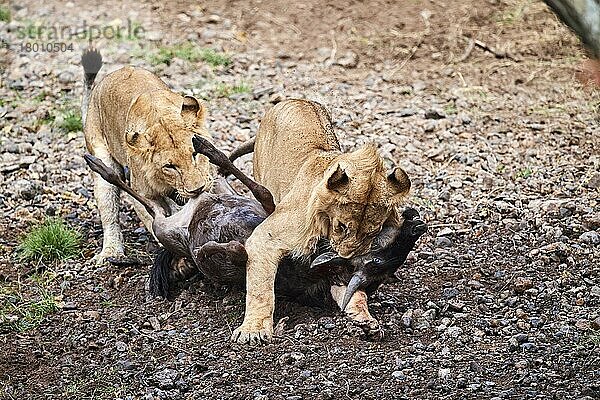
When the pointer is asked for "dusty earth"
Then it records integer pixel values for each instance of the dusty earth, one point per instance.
(500, 299)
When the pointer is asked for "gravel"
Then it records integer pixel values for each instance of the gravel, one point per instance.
(500, 299)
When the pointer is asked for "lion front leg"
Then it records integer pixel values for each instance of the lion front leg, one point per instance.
(265, 251)
(358, 311)
(107, 200)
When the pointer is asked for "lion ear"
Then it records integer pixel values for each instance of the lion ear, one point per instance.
(135, 124)
(193, 111)
(399, 182)
(338, 180)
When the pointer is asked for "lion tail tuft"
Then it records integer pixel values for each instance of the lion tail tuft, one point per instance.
(91, 60)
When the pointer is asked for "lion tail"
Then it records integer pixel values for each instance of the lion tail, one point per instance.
(91, 60)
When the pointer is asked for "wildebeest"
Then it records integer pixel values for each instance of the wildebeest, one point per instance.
(208, 233)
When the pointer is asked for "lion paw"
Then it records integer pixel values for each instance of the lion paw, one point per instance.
(114, 252)
(253, 334)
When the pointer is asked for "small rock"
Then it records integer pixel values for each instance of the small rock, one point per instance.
(594, 182)
(291, 358)
(445, 232)
(455, 183)
(528, 346)
(27, 190)
(91, 315)
(153, 36)
(348, 60)
(276, 98)
(69, 305)
(406, 112)
(262, 91)
(125, 365)
(306, 374)
(407, 318)
(442, 242)
(522, 284)
(166, 378)
(450, 292)
(454, 331)
(476, 368)
(456, 305)
(521, 337)
(121, 346)
(595, 324)
(590, 237)
(399, 375)
(444, 373)
(154, 323)
(583, 324)
(434, 114)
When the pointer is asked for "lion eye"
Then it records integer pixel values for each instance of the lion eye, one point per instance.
(171, 167)
(342, 227)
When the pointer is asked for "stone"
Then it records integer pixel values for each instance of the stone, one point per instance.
(166, 378)
(522, 284)
(444, 373)
(399, 375)
(454, 331)
(26, 189)
(443, 242)
(348, 60)
(434, 114)
(590, 237)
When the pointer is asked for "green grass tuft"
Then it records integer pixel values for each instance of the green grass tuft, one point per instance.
(162, 56)
(225, 90)
(51, 241)
(4, 14)
(214, 58)
(24, 306)
(71, 121)
(189, 52)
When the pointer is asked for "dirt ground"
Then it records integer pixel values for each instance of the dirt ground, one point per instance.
(478, 101)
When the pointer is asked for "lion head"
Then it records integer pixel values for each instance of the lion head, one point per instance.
(354, 199)
(160, 127)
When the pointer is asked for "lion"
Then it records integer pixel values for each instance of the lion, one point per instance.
(319, 192)
(132, 119)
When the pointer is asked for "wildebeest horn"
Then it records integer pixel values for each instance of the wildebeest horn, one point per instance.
(358, 279)
(327, 259)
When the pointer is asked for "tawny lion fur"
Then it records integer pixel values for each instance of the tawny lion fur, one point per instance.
(319, 191)
(133, 119)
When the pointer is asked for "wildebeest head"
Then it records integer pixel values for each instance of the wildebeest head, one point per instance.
(389, 250)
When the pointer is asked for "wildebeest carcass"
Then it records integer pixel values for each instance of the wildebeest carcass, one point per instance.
(208, 233)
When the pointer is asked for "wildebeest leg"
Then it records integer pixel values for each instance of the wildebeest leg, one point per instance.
(223, 263)
(358, 311)
(111, 176)
(218, 158)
